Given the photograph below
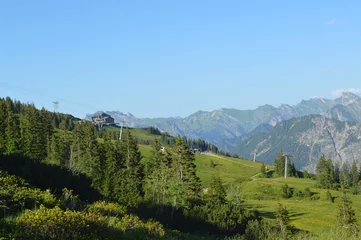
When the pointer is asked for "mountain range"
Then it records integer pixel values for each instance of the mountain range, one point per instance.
(260, 130)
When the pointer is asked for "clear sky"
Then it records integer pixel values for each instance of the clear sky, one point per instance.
(174, 57)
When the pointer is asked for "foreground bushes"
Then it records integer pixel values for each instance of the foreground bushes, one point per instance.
(99, 221)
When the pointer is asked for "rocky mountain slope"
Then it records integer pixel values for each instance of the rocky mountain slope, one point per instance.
(217, 125)
(307, 138)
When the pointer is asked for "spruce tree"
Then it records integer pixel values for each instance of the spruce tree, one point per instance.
(280, 164)
(354, 177)
(3, 121)
(113, 167)
(345, 177)
(158, 177)
(130, 187)
(282, 218)
(346, 215)
(263, 170)
(12, 134)
(216, 193)
(185, 168)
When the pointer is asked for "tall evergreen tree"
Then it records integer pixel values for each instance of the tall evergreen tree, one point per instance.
(185, 168)
(217, 193)
(131, 184)
(346, 215)
(263, 170)
(280, 164)
(345, 177)
(282, 218)
(12, 134)
(354, 177)
(158, 176)
(325, 172)
(3, 123)
(113, 167)
(35, 133)
(337, 172)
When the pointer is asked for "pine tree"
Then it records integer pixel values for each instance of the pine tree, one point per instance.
(282, 218)
(33, 137)
(65, 141)
(12, 134)
(3, 123)
(185, 168)
(346, 215)
(158, 177)
(113, 167)
(337, 172)
(263, 170)
(325, 172)
(345, 177)
(354, 177)
(130, 187)
(280, 164)
(216, 193)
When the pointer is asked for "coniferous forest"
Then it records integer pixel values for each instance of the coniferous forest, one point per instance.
(64, 178)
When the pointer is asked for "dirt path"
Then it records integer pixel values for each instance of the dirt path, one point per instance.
(254, 177)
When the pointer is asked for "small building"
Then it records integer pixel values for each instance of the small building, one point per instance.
(103, 118)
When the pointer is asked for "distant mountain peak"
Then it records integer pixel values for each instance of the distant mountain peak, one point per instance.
(349, 98)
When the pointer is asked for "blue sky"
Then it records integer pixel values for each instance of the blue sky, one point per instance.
(172, 58)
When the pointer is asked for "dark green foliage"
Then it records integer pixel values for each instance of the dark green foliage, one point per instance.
(262, 229)
(345, 177)
(130, 186)
(325, 173)
(185, 170)
(346, 215)
(263, 170)
(305, 174)
(329, 197)
(282, 218)
(280, 162)
(46, 176)
(16, 195)
(216, 193)
(308, 192)
(286, 191)
(114, 166)
(354, 177)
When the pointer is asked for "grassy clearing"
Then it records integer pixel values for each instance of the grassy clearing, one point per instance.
(229, 169)
(317, 216)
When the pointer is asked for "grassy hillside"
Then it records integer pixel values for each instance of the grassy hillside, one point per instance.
(315, 214)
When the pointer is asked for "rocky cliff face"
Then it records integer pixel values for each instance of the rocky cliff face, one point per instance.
(307, 138)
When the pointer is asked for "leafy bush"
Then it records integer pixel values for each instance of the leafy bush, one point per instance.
(286, 191)
(16, 195)
(308, 192)
(58, 224)
(329, 197)
(107, 209)
(299, 194)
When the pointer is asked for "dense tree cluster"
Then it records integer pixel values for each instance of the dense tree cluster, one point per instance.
(330, 176)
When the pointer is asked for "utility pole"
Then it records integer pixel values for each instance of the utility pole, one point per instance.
(286, 157)
(121, 130)
(56, 106)
(254, 157)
